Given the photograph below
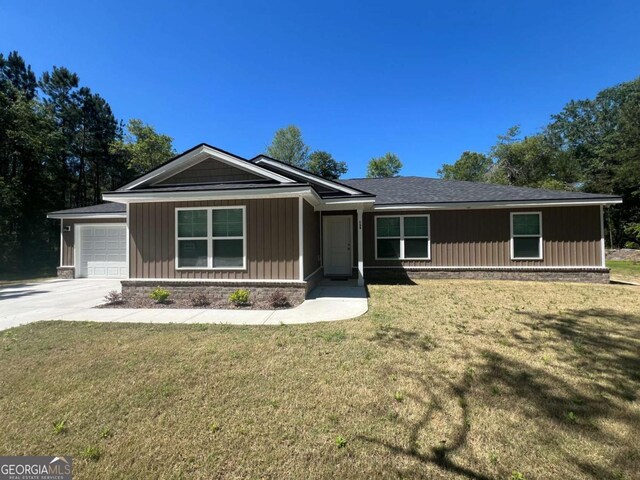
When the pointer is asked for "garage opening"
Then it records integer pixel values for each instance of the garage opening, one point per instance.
(102, 252)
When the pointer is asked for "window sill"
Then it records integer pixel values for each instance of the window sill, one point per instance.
(402, 259)
(207, 269)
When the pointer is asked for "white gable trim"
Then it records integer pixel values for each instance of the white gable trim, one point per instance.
(198, 155)
(309, 176)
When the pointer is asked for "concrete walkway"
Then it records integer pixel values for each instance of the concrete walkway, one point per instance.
(75, 299)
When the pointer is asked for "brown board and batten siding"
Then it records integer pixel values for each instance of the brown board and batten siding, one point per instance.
(311, 239)
(481, 238)
(68, 238)
(271, 237)
(210, 171)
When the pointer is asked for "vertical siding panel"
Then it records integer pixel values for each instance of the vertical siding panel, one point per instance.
(268, 225)
(260, 234)
(165, 239)
(274, 239)
(157, 234)
(140, 235)
(288, 249)
(171, 245)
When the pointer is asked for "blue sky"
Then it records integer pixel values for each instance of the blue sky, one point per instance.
(426, 80)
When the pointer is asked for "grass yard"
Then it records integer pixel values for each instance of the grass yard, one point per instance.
(444, 379)
(624, 270)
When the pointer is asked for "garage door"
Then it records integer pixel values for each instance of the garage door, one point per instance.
(103, 251)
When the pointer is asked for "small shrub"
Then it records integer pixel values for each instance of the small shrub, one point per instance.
(114, 297)
(571, 417)
(240, 297)
(91, 453)
(399, 396)
(199, 300)
(341, 442)
(160, 295)
(279, 300)
(515, 475)
(59, 427)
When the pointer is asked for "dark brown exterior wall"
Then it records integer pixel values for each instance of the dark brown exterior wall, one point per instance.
(68, 238)
(461, 238)
(272, 240)
(311, 232)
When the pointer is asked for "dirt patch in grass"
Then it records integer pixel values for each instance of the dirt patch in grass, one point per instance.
(443, 379)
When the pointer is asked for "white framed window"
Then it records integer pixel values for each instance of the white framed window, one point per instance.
(211, 238)
(403, 237)
(526, 236)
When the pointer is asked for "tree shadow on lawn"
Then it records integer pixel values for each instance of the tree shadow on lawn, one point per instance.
(438, 455)
(610, 352)
(602, 344)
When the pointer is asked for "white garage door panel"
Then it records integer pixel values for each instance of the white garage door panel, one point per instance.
(103, 251)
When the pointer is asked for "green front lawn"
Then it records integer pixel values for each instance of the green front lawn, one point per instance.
(624, 270)
(444, 379)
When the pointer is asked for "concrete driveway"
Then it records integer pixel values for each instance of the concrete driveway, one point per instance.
(75, 299)
(50, 300)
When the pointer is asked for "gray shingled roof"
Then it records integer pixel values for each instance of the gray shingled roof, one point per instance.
(411, 190)
(102, 208)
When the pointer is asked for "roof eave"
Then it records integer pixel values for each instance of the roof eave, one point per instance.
(496, 204)
(280, 191)
(57, 216)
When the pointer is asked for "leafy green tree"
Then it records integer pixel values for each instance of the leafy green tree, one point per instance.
(602, 136)
(389, 165)
(144, 147)
(471, 166)
(289, 147)
(323, 164)
(24, 186)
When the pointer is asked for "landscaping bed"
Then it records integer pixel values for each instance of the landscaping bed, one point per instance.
(159, 297)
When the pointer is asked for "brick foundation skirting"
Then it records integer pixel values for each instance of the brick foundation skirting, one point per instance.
(596, 275)
(65, 272)
(215, 291)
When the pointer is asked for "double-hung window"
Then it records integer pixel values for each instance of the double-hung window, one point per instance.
(526, 236)
(404, 237)
(211, 238)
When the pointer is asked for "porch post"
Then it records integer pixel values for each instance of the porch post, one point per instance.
(360, 252)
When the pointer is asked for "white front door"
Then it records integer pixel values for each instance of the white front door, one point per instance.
(336, 246)
(102, 251)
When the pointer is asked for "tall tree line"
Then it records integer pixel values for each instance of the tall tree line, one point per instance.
(60, 147)
(289, 147)
(592, 145)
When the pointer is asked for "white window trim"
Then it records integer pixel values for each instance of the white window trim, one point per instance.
(402, 237)
(540, 245)
(210, 238)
